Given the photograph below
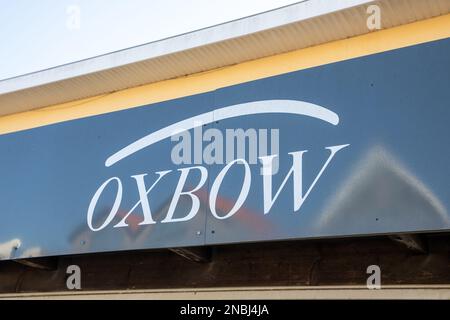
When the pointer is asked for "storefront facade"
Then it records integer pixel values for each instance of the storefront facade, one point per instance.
(121, 167)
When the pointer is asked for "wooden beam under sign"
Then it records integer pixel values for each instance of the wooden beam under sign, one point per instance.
(324, 262)
(49, 263)
(195, 254)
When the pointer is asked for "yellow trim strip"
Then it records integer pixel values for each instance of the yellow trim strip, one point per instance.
(380, 41)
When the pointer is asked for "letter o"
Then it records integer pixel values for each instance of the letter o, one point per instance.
(94, 201)
(242, 196)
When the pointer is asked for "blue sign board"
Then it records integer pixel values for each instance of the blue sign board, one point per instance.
(357, 147)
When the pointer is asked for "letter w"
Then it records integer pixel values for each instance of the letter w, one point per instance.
(297, 172)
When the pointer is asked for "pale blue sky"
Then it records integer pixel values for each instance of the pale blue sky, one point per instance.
(36, 35)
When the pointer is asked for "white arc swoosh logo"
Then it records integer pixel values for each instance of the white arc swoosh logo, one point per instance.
(237, 110)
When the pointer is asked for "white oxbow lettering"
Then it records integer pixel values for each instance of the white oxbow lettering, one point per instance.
(295, 172)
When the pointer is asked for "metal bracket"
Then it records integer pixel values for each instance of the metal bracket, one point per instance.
(50, 263)
(195, 254)
(412, 242)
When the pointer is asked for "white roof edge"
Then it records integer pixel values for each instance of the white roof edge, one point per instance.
(304, 10)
